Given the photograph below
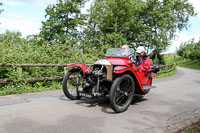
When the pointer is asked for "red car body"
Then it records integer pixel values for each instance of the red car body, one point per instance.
(123, 65)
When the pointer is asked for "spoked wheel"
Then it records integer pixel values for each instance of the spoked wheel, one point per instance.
(72, 82)
(122, 93)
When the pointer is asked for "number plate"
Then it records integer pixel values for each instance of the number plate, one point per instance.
(85, 95)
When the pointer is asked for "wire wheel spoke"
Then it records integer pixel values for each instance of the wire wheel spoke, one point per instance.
(121, 99)
(123, 92)
(74, 83)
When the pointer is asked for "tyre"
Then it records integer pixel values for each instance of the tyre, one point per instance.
(122, 93)
(71, 83)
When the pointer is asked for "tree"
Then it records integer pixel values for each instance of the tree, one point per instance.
(164, 18)
(190, 50)
(110, 19)
(150, 23)
(12, 38)
(63, 20)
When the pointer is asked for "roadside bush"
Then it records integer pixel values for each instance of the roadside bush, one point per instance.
(16, 50)
(19, 88)
(190, 50)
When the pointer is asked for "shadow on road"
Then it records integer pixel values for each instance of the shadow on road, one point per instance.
(138, 98)
(103, 102)
(197, 81)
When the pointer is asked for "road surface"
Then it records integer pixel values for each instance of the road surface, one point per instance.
(171, 106)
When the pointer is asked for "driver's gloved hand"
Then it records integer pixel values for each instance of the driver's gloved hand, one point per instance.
(137, 58)
(132, 59)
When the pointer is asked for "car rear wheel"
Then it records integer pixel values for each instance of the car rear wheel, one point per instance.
(72, 82)
(122, 93)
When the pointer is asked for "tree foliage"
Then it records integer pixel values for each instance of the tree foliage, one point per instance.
(12, 38)
(190, 50)
(150, 23)
(62, 21)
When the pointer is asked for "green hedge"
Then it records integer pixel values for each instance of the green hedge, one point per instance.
(45, 54)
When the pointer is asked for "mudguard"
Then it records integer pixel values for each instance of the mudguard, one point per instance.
(82, 66)
(123, 69)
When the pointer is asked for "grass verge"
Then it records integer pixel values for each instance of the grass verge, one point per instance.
(192, 129)
(193, 64)
(162, 75)
(19, 88)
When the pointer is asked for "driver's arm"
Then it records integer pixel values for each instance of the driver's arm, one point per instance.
(145, 66)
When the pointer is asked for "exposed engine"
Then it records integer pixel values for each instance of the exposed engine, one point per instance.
(93, 79)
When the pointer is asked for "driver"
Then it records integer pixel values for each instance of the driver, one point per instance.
(125, 50)
(143, 63)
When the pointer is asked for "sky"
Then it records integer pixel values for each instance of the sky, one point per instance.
(25, 16)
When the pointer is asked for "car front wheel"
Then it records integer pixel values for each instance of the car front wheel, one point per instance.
(71, 83)
(122, 93)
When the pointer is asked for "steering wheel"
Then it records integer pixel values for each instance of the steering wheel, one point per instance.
(132, 59)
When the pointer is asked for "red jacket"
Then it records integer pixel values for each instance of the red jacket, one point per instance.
(144, 64)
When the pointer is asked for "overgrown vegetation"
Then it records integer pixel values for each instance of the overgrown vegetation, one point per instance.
(189, 54)
(191, 129)
(181, 61)
(17, 50)
(190, 50)
(193, 64)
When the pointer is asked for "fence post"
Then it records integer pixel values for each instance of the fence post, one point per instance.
(20, 73)
(65, 70)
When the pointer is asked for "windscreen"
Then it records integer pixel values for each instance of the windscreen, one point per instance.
(119, 52)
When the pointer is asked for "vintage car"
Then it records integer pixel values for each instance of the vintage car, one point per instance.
(114, 75)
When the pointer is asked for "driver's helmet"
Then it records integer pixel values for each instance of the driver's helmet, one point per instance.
(140, 49)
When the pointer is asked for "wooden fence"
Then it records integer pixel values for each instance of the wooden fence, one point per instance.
(21, 66)
(164, 69)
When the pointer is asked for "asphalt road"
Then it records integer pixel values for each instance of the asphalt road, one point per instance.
(171, 106)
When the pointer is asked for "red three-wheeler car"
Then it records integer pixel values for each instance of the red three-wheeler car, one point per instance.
(114, 74)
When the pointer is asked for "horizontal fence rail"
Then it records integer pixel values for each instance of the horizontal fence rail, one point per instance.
(33, 65)
(40, 79)
(164, 69)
